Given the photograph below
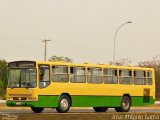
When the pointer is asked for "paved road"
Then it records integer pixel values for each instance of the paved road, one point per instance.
(21, 113)
(81, 114)
(75, 111)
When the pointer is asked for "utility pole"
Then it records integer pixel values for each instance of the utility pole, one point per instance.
(114, 47)
(45, 48)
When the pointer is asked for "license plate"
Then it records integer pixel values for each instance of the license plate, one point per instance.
(18, 103)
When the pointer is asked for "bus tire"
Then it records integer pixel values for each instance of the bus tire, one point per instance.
(125, 105)
(64, 104)
(37, 109)
(100, 109)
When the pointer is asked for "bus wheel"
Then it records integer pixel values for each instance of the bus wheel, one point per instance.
(125, 105)
(37, 109)
(100, 109)
(63, 104)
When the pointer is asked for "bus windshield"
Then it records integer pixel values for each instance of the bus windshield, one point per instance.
(22, 78)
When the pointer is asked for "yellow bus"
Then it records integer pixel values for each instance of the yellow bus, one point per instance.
(62, 85)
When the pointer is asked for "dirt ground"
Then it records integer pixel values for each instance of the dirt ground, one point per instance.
(63, 117)
(97, 116)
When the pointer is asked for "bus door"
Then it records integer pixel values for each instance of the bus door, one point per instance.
(44, 75)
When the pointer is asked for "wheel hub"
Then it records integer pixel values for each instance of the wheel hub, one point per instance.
(125, 104)
(64, 104)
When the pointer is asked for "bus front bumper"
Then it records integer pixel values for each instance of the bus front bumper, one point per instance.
(20, 103)
(43, 101)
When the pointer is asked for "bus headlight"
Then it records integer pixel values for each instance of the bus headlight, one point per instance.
(32, 98)
(10, 98)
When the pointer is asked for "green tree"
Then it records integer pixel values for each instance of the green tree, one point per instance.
(3, 74)
(3, 78)
(61, 58)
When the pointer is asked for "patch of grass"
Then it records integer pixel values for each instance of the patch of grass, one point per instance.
(3, 94)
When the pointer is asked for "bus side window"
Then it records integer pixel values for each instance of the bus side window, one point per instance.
(130, 73)
(71, 70)
(134, 73)
(115, 72)
(149, 76)
(95, 75)
(140, 77)
(110, 76)
(125, 76)
(77, 75)
(119, 72)
(60, 73)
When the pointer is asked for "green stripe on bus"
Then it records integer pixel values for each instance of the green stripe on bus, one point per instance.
(142, 100)
(90, 101)
(84, 101)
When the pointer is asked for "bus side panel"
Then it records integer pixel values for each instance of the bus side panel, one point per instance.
(108, 101)
(142, 100)
(96, 101)
(46, 101)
